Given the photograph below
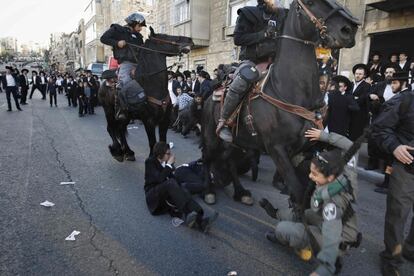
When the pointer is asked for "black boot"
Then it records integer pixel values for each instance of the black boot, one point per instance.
(383, 187)
(236, 92)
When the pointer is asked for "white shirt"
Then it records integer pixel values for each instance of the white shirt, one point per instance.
(43, 80)
(356, 85)
(59, 82)
(10, 80)
(388, 94)
(402, 64)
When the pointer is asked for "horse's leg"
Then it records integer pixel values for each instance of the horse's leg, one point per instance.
(115, 149)
(128, 153)
(281, 159)
(240, 193)
(163, 128)
(150, 130)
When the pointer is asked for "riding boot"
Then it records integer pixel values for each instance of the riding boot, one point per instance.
(236, 92)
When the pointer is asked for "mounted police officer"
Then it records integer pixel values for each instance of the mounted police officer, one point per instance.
(122, 39)
(255, 31)
(393, 132)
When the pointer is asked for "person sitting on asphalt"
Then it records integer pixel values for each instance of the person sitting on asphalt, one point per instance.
(329, 226)
(163, 194)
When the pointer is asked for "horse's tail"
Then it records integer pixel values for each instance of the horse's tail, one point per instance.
(356, 146)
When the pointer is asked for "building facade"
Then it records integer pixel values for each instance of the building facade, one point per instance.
(387, 27)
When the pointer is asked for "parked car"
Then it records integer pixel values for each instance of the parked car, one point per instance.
(97, 68)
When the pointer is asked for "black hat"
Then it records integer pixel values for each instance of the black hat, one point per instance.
(25, 70)
(179, 74)
(204, 74)
(376, 53)
(88, 71)
(109, 74)
(10, 68)
(34, 72)
(400, 75)
(360, 66)
(187, 73)
(342, 79)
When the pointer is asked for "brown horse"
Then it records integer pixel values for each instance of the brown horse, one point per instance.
(293, 78)
(151, 73)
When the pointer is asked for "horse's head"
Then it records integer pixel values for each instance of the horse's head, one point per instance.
(335, 24)
(173, 45)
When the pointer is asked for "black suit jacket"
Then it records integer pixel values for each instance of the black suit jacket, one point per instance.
(360, 119)
(196, 88)
(4, 80)
(406, 67)
(205, 89)
(155, 174)
(22, 81)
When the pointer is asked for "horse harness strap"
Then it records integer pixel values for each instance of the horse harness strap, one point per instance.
(319, 23)
(291, 108)
(151, 50)
(306, 42)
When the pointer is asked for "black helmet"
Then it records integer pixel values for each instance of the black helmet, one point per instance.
(135, 18)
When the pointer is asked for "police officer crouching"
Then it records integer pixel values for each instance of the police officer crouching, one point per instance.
(393, 132)
(255, 31)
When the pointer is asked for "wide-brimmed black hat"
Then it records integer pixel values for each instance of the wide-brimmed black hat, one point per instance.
(88, 71)
(204, 74)
(400, 75)
(360, 66)
(10, 68)
(109, 74)
(34, 72)
(25, 70)
(342, 79)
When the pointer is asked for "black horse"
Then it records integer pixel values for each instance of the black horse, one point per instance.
(151, 73)
(293, 79)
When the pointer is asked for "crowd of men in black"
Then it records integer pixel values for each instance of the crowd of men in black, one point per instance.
(80, 90)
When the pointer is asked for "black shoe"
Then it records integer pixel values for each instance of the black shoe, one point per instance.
(271, 236)
(381, 190)
(19, 109)
(206, 223)
(9, 109)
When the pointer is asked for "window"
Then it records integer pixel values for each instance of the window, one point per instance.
(181, 11)
(235, 5)
(162, 29)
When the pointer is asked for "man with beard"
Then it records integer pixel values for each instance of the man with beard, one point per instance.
(393, 132)
(360, 92)
(375, 66)
(380, 93)
(255, 31)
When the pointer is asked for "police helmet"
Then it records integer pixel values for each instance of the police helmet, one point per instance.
(135, 18)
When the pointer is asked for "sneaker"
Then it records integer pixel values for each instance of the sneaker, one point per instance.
(304, 254)
(226, 135)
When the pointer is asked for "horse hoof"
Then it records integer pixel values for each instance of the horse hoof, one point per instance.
(247, 200)
(210, 199)
(119, 158)
(130, 157)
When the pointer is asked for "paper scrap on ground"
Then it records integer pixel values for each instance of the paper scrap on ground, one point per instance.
(47, 204)
(232, 273)
(134, 127)
(171, 145)
(67, 183)
(71, 237)
(176, 221)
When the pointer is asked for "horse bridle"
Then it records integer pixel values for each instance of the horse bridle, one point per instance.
(320, 23)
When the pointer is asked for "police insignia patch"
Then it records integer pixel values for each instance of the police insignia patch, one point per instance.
(329, 212)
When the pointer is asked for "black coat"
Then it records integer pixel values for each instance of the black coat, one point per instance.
(184, 87)
(406, 67)
(205, 89)
(339, 112)
(155, 174)
(4, 80)
(395, 126)
(360, 119)
(195, 86)
(36, 81)
(116, 33)
(22, 81)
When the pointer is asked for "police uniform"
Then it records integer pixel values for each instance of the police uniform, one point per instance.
(395, 127)
(255, 30)
(329, 226)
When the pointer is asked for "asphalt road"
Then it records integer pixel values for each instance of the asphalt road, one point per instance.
(43, 146)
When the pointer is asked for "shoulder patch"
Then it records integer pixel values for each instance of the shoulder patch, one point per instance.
(329, 211)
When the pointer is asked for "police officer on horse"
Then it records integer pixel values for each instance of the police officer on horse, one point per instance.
(255, 31)
(122, 39)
